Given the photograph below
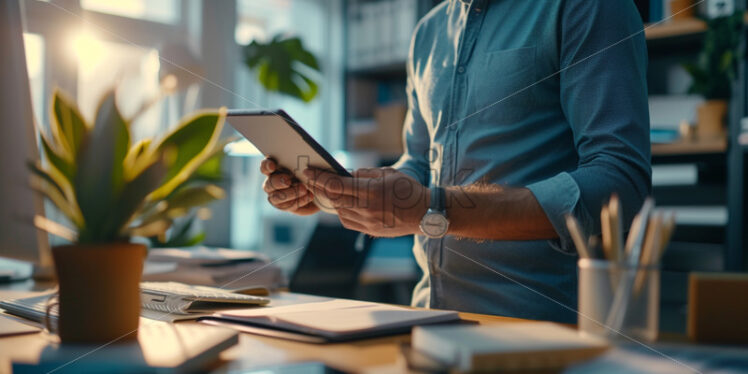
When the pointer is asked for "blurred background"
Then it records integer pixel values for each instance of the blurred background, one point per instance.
(356, 104)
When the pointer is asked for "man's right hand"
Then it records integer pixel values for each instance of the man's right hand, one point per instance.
(285, 192)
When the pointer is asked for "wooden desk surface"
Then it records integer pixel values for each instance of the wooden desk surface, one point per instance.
(372, 355)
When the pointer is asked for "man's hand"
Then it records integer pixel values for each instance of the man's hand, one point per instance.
(379, 202)
(285, 192)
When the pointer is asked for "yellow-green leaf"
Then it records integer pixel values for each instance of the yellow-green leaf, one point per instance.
(68, 122)
(187, 147)
(63, 165)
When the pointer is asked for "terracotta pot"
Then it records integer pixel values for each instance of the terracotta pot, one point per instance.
(99, 291)
(679, 9)
(711, 119)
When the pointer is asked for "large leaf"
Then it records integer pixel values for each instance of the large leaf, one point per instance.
(100, 177)
(139, 157)
(67, 208)
(179, 236)
(187, 147)
(60, 162)
(68, 123)
(283, 65)
(133, 196)
(211, 169)
(183, 200)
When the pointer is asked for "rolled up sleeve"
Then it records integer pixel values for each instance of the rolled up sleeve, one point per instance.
(604, 98)
(415, 159)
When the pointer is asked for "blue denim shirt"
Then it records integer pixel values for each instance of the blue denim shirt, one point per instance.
(547, 94)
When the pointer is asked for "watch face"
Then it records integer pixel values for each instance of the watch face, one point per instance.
(434, 225)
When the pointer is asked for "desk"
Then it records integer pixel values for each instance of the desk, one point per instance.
(373, 355)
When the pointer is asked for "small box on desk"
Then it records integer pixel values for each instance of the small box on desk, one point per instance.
(717, 307)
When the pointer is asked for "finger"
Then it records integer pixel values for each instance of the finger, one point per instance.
(277, 181)
(292, 205)
(307, 209)
(332, 183)
(287, 194)
(368, 173)
(334, 201)
(268, 166)
(302, 201)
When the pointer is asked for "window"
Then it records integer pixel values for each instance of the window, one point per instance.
(319, 24)
(133, 70)
(166, 11)
(34, 46)
(316, 22)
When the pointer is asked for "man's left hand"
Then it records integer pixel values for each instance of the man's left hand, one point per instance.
(378, 202)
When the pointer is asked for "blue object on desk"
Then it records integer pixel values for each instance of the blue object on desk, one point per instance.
(663, 136)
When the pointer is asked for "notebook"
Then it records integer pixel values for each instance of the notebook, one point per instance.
(161, 301)
(334, 320)
(506, 346)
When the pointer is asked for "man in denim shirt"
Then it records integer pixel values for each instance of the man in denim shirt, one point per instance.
(520, 112)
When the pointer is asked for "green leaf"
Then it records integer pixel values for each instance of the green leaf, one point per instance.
(191, 197)
(41, 173)
(138, 158)
(65, 167)
(212, 168)
(100, 177)
(282, 65)
(133, 196)
(187, 147)
(68, 209)
(183, 200)
(179, 236)
(68, 120)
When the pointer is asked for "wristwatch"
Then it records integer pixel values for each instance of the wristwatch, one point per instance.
(434, 223)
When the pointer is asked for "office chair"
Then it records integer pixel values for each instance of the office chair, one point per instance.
(332, 262)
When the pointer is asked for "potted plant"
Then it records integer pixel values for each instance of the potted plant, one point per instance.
(714, 72)
(110, 191)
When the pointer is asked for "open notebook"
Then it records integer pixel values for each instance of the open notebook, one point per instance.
(333, 320)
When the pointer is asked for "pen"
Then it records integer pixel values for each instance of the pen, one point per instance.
(576, 236)
(616, 226)
(607, 230)
(651, 247)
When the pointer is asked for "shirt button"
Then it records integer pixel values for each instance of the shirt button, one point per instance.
(477, 10)
(461, 69)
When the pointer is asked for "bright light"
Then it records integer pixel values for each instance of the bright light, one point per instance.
(87, 50)
(34, 46)
(242, 148)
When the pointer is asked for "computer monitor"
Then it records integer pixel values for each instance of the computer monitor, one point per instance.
(19, 239)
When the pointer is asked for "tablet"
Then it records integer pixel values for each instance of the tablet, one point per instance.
(281, 138)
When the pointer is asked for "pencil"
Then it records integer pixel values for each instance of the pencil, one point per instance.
(577, 236)
(616, 226)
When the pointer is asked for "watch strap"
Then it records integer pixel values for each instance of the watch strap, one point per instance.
(437, 199)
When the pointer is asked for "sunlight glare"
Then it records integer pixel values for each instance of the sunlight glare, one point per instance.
(87, 50)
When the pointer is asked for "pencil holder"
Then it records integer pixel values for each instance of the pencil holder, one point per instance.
(617, 301)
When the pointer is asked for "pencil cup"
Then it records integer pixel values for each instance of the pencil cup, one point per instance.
(617, 301)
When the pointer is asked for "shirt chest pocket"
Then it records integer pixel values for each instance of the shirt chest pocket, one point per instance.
(501, 85)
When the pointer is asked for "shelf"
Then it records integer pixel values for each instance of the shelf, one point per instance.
(677, 31)
(393, 70)
(690, 147)
(675, 28)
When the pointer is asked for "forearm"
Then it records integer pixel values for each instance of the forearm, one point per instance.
(496, 213)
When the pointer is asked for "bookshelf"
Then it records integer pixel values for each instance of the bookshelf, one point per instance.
(690, 147)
